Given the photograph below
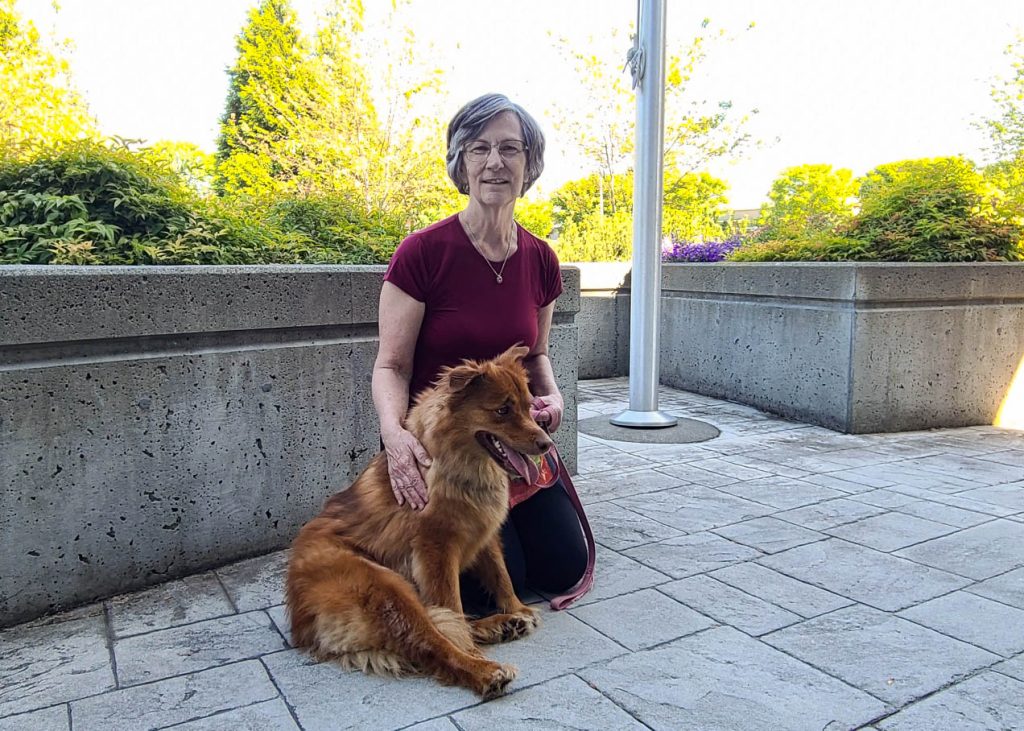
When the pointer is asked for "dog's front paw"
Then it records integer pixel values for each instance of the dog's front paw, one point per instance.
(497, 682)
(505, 627)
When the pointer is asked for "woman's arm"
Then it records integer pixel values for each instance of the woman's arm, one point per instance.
(400, 319)
(547, 402)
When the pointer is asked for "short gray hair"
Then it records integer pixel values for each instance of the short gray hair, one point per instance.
(470, 121)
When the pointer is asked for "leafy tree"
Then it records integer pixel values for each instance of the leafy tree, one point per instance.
(604, 124)
(577, 199)
(537, 216)
(807, 200)
(694, 206)
(1006, 131)
(320, 128)
(38, 103)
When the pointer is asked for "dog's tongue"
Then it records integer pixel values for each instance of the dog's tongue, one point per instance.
(524, 466)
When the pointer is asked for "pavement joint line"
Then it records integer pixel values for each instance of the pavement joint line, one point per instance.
(280, 693)
(612, 700)
(108, 629)
(227, 594)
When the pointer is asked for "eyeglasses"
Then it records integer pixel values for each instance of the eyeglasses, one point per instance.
(478, 150)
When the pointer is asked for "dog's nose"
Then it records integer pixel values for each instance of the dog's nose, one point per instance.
(544, 444)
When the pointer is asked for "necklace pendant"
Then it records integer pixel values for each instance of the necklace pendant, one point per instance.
(498, 279)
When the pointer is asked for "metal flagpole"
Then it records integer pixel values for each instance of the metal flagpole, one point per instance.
(648, 62)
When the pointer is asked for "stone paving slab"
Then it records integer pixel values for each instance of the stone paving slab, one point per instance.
(940, 513)
(884, 655)
(890, 531)
(194, 647)
(781, 590)
(877, 579)
(188, 600)
(264, 716)
(324, 697)
(54, 660)
(694, 508)
(979, 553)
(829, 514)
(782, 493)
(987, 701)
(562, 704)
(729, 605)
(618, 528)
(1007, 588)
(257, 583)
(48, 719)
(780, 576)
(722, 679)
(988, 624)
(768, 535)
(654, 618)
(175, 700)
(692, 554)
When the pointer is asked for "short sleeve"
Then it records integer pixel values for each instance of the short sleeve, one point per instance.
(407, 269)
(552, 275)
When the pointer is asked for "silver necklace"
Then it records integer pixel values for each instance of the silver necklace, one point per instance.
(476, 245)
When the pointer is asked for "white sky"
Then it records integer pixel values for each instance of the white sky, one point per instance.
(852, 83)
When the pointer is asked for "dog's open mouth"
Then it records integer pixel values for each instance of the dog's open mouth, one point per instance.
(515, 463)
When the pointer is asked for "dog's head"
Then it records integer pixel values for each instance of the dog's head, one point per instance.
(491, 399)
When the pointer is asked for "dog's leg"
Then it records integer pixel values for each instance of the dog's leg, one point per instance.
(375, 620)
(436, 573)
(515, 619)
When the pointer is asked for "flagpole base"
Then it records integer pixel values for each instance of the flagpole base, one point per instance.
(644, 419)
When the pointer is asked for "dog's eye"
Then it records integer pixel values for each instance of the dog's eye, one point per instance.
(503, 411)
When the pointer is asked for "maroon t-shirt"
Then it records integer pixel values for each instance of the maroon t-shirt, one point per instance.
(468, 314)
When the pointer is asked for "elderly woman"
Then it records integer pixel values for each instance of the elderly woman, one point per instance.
(471, 286)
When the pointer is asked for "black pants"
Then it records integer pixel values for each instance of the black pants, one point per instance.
(544, 550)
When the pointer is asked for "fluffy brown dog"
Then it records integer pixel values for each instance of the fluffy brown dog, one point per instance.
(376, 585)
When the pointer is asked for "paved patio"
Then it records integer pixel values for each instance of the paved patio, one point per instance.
(781, 576)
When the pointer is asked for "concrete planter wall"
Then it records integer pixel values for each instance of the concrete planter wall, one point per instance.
(157, 421)
(853, 347)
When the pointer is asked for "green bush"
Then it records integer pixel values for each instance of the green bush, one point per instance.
(819, 248)
(89, 203)
(928, 210)
(936, 209)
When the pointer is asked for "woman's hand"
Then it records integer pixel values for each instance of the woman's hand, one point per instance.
(547, 411)
(407, 465)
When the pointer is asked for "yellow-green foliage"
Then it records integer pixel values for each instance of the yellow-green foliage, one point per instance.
(596, 238)
(808, 200)
(928, 210)
(37, 99)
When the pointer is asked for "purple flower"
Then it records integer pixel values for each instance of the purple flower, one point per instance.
(699, 251)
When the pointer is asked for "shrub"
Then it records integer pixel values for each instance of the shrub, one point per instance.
(939, 209)
(820, 248)
(88, 203)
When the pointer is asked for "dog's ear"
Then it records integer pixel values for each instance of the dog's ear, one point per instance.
(459, 377)
(516, 352)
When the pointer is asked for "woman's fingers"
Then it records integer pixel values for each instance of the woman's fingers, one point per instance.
(407, 462)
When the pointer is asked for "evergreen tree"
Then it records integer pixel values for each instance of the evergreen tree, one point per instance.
(271, 71)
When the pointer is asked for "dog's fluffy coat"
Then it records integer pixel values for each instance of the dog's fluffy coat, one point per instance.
(375, 585)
